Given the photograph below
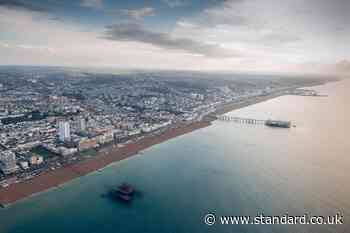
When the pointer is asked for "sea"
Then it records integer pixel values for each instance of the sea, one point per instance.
(226, 169)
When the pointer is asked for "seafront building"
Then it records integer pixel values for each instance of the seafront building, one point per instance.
(64, 131)
(8, 162)
(81, 124)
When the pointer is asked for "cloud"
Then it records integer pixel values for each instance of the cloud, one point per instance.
(96, 4)
(252, 35)
(228, 13)
(21, 5)
(60, 43)
(135, 32)
(279, 37)
(138, 14)
(175, 3)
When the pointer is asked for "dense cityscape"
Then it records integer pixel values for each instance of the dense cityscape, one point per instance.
(53, 117)
(174, 116)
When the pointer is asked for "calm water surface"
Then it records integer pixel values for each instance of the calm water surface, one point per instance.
(227, 168)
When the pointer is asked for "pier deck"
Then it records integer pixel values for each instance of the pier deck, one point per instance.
(242, 120)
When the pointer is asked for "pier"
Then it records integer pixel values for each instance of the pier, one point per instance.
(304, 92)
(271, 123)
(241, 120)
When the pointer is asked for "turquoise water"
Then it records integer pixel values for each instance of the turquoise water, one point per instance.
(226, 169)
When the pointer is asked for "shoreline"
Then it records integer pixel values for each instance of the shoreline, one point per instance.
(53, 179)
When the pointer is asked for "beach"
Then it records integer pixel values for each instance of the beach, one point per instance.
(55, 178)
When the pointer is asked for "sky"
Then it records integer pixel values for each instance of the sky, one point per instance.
(302, 36)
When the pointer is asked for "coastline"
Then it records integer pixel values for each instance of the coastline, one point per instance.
(53, 179)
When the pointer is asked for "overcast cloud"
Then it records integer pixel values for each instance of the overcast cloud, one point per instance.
(237, 35)
(21, 5)
(138, 14)
(135, 32)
